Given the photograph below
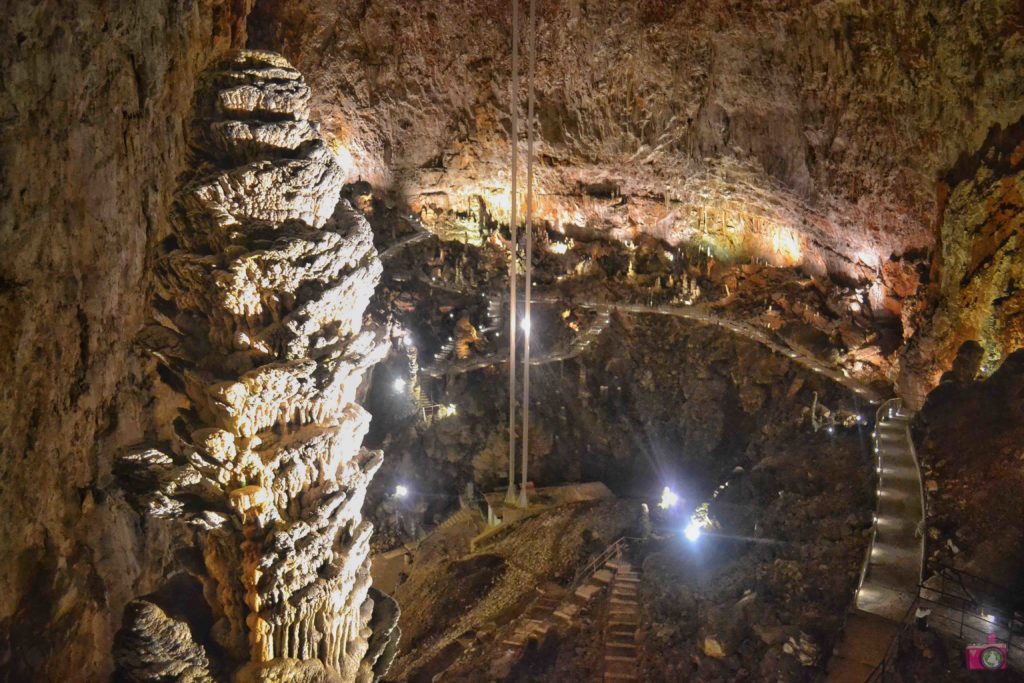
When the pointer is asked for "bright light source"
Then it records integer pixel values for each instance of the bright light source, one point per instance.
(558, 247)
(830, 429)
(408, 340)
(525, 324)
(692, 531)
(669, 498)
(401, 491)
(399, 385)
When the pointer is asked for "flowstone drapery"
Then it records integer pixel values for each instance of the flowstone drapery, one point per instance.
(259, 310)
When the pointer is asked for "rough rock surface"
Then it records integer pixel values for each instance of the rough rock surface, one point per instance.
(258, 329)
(978, 267)
(970, 441)
(94, 99)
(811, 133)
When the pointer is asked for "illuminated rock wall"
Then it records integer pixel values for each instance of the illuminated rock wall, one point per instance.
(977, 270)
(258, 324)
(96, 96)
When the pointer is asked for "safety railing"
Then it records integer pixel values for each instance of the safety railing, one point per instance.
(614, 549)
(887, 410)
(889, 658)
(953, 609)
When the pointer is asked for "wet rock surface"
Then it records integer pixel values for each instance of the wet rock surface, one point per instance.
(975, 294)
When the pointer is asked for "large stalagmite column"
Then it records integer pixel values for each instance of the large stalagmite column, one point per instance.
(258, 320)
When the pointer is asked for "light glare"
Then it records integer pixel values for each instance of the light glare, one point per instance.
(669, 498)
(692, 532)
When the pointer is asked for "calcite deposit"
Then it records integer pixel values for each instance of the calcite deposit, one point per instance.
(258, 324)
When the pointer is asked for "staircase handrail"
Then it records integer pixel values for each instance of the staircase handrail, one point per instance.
(613, 548)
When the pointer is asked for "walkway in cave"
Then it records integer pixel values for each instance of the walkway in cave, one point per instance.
(621, 656)
(892, 572)
(580, 344)
(697, 314)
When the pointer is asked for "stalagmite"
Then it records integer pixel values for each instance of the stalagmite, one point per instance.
(261, 295)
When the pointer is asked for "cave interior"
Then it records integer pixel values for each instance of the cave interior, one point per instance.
(521, 341)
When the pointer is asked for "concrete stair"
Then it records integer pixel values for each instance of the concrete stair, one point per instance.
(890, 582)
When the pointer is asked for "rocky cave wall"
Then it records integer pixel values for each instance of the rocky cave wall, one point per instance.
(977, 270)
(800, 133)
(94, 101)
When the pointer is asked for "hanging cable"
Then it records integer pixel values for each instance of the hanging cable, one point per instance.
(510, 496)
(528, 322)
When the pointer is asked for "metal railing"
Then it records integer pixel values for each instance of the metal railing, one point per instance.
(955, 611)
(888, 409)
(889, 658)
(614, 549)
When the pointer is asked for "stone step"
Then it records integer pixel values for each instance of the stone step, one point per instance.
(602, 576)
(620, 649)
(622, 630)
(624, 608)
(587, 591)
(610, 676)
(567, 612)
(631, 602)
(620, 624)
(632, 619)
(627, 589)
(623, 645)
(620, 665)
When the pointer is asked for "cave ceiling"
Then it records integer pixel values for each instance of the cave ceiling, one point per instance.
(805, 133)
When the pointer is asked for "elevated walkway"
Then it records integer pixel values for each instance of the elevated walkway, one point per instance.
(699, 313)
(892, 569)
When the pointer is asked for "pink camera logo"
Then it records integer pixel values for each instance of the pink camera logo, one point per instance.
(986, 656)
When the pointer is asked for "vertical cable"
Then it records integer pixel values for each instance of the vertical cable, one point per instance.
(531, 49)
(510, 496)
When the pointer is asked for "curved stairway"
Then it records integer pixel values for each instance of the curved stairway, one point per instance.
(892, 570)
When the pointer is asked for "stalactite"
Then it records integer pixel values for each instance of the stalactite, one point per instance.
(263, 292)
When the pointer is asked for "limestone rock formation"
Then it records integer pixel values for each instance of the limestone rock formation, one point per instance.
(805, 133)
(94, 100)
(258, 324)
(976, 293)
